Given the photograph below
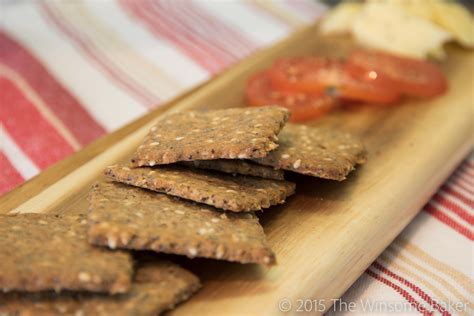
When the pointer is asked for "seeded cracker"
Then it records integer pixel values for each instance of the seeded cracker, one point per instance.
(158, 286)
(231, 133)
(233, 193)
(318, 152)
(238, 166)
(50, 252)
(126, 217)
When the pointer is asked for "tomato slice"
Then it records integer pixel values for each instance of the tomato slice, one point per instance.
(409, 76)
(325, 75)
(352, 89)
(303, 106)
(303, 74)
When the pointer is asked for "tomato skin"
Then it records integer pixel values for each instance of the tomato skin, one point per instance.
(302, 74)
(323, 75)
(303, 106)
(408, 76)
(353, 89)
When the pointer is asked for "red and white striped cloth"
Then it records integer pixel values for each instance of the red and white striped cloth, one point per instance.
(74, 70)
(429, 268)
(71, 71)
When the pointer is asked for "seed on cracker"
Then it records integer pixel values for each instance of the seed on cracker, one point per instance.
(158, 286)
(233, 193)
(50, 252)
(238, 166)
(133, 218)
(319, 152)
(230, 134)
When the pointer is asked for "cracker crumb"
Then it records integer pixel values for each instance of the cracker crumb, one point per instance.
(272, 146)
(61, 308)
(112, 242)
(84, 277)
(124, 238)
(297, 164)
(192, 251)
(220, 251)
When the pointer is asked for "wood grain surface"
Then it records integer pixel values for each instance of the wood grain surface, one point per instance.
(329, 232)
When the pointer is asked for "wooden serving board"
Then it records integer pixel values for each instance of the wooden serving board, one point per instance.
(327, 234)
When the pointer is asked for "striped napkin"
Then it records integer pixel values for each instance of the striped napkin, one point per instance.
(71, 71)
(76, 70)
(429, 268)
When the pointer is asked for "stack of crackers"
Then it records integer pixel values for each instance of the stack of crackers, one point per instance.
(192, 188)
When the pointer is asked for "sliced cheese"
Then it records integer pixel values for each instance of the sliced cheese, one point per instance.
(437, 53)
(387, 27)
(340, 19)
(456, 19)
(420, 8)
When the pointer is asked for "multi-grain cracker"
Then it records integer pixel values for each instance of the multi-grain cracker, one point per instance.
(323, 153)
(158, 286)
(121, 216)
(50, 252)
(233, 193)
(231, 133)
(238, 166)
